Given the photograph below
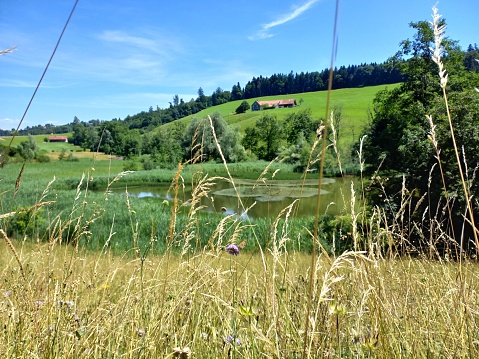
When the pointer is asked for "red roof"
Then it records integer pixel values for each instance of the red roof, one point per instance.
(58, 138)
(273, 103)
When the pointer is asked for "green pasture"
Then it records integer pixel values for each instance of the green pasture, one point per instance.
(41, 143)
(353, 102)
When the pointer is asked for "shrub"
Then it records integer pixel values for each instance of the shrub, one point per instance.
(243, 107)
(130, 165)
(71, 158)
(148, 163)
(25, 222)
(42, 158)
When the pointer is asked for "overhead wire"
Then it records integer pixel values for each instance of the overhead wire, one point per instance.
(3, 155)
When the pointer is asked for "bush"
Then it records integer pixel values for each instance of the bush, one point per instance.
(130, 165)
(62, 154)
(243, 107)
(148, 163)
(42, 158)
(71, 158)
(25, 222)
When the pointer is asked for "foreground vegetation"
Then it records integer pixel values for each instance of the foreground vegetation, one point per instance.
(67, 304)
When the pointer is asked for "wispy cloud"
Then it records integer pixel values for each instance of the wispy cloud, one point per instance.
(8, 123)
(142, 57)
(153, 42)
(264, 32)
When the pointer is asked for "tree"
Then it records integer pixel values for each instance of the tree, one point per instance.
(243, 107)
(133, 142)
(92, 138)
(28, 148)
(236, 92)
(176, 100)
(78, 132)
(200, 144)
(269, 133)
(251, 139)
(397, 141)
(299, 124)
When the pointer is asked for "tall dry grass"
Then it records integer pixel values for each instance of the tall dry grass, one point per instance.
(79, 304)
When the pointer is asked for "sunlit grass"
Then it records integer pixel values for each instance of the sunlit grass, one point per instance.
(76, 303)
(354, 103)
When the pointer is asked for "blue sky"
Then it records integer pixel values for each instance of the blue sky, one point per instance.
(120, 57)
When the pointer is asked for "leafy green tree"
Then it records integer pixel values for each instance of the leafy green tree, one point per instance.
(243, 107)
(164, 146)
(299, 125)
(132, 144)
(397, 142)
(28, 148)
(116, 135)
(397, 134)
(270, 134)
(92, 138)
(200, 144)
(78, 132)
(251, 139)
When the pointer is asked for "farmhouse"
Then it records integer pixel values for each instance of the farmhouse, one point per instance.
(58, 139)
(263, 105)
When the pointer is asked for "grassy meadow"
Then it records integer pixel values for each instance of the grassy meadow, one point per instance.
(90, 274)
(353, 102)
(62, 302)
(53, 149)
(41, 143)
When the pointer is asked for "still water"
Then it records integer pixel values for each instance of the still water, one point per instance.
(262, 199)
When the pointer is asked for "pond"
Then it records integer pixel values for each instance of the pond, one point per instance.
(263, 199)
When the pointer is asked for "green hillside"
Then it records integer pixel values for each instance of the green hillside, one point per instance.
(41, 143)
(354, 103)
(53, 149)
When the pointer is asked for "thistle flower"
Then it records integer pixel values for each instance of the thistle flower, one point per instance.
(232, 249)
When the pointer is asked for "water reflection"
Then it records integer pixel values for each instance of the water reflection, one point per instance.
(262, 200)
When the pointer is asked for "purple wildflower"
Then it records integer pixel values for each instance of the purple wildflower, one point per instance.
(230, 339)
(232, 249)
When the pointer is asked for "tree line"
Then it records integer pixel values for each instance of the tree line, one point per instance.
(289, 139)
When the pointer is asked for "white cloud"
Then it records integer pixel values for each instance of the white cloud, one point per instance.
(147, 41)
(264, 33)
(137, 57)
(4, 82)
(8, 123)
